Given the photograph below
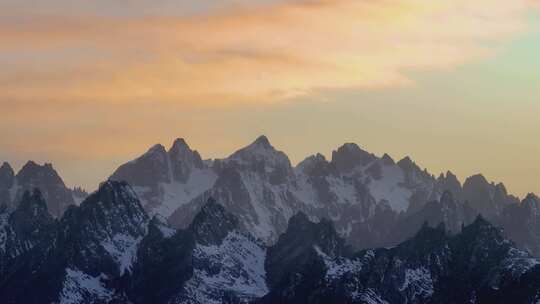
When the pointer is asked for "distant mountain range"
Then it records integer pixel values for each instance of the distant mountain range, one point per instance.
(373, 201)
(171, 227)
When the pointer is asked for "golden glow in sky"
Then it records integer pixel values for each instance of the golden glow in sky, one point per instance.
(89, 86)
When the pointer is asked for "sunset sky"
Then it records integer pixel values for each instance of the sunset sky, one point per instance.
(89, 85)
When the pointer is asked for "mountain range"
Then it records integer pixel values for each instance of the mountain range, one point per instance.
(172, 227)
(372, 201)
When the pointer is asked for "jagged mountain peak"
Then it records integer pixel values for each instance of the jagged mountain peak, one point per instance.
(476, 179)
(148, 169)
(7, 176)
(262, 141)
(350, 155)
(47, 179)
(157, 148)
(213, 223)
(180, 144)
(183, 160)
(262, 156)
(532, 203)
(101, 235)
(531, 197)
(113, 202)
(501, 188)
(316, 165)
(32, 174)
(260, 145)
(407, 164)
(33, 168)
(451, 177)
(181, 147)
(31, 220)
(6, 168)
(387, 160)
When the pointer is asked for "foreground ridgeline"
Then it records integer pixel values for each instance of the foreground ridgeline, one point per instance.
(109, 250)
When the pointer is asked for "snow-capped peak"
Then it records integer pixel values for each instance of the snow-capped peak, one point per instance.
(156, 150)
(261, 151)
(315, 165)
(349, 156)
(179, 144)
(259, 145)
(183, 160)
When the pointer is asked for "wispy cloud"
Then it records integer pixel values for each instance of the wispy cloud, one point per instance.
(246, 54)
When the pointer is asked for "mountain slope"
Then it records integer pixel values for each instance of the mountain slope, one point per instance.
(165, 180)
(33, 176)
(475, 266)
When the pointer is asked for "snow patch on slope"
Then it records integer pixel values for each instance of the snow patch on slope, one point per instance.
(418, 282)
(390, 188)
(123, 249)
(236, 266)
(3, 230)
(337, 267)
(369, 296)
(260, 193)
(177, 194)
(80, 287)
(519, 262)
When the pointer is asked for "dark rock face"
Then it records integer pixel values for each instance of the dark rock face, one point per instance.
(294, 263)
(7, 179)
(348, 156)
(317, 166)
(45, 178)
(212, 224)
(147, 170)
(165, 180)
(101, 235)
(107, 251)
(31, 219)
(253, 184)
(476, 265)
(183, 160)
(164, 263)
(29, 226)
(78, 258)
(26, 242)
(485, 197)
(521, 223)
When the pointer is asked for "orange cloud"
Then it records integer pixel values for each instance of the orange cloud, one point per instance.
(249, 54)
